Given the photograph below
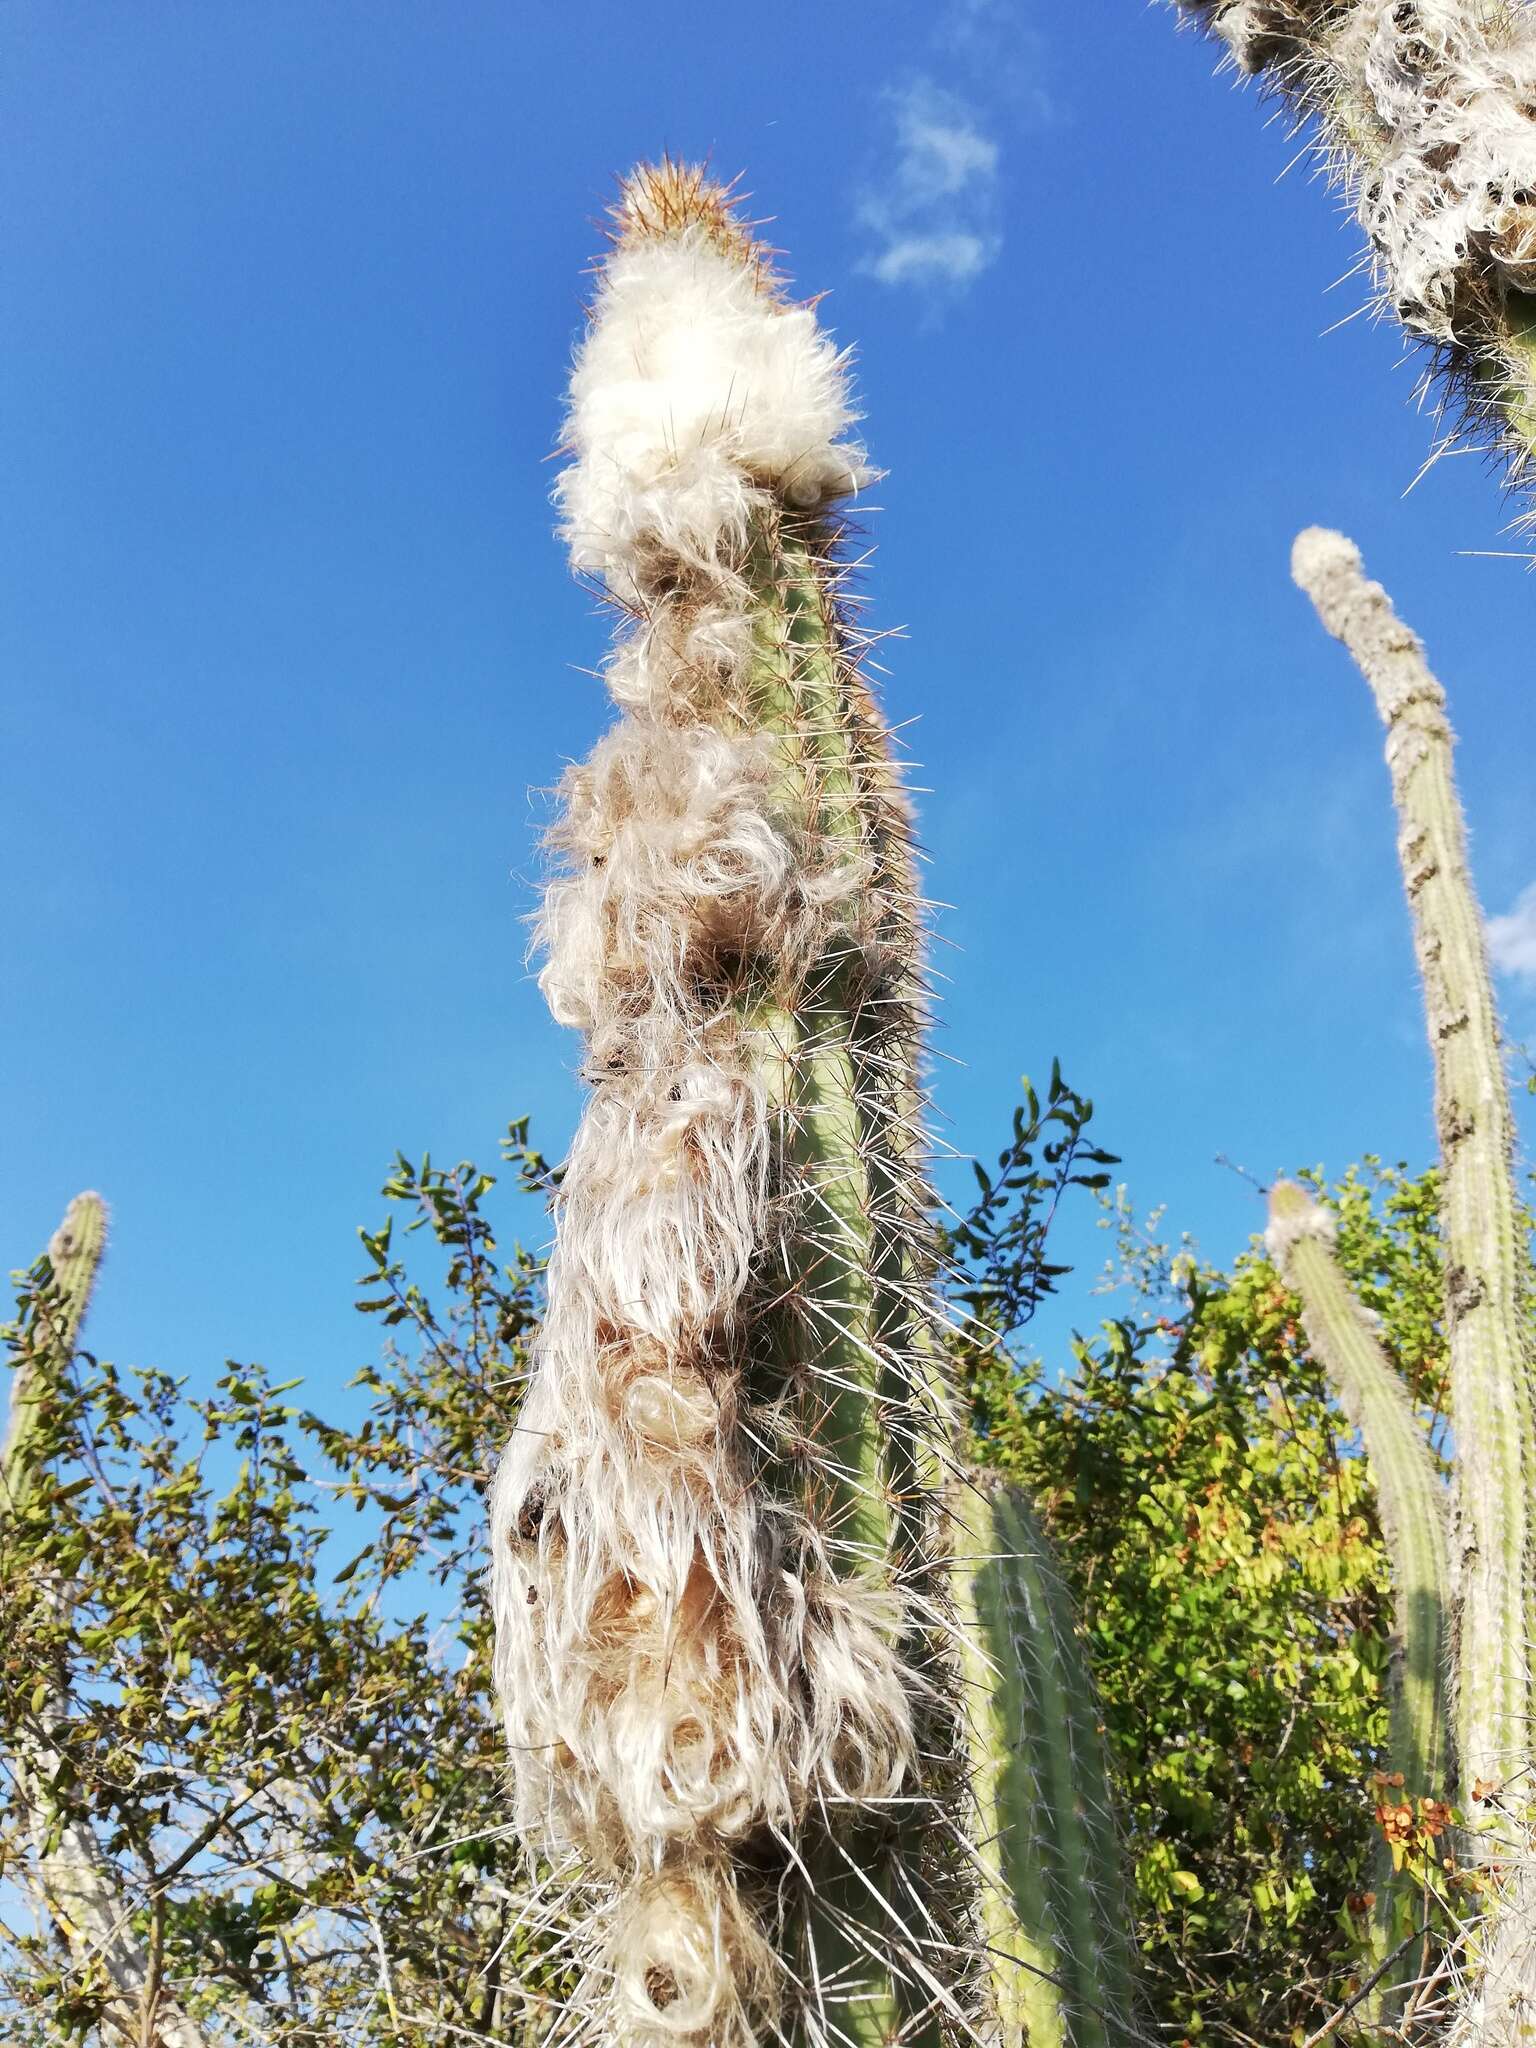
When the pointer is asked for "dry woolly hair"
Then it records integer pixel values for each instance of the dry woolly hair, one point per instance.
(689, 1967)
(678, 873)
(693, 1655)
(1427, 111)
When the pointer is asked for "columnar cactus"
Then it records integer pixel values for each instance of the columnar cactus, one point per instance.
(1054, 1910)
(1411, 1508)
(1409, 1493)
(76, 1885)
(731, 1602)
(714, 1529)
(74, 1257)
(1426, 112)
(1493, 1373)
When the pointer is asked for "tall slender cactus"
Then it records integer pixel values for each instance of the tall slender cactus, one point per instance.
(1426, 116)
(1411, 1507)
(732, 1603)
(74, 1257)
(76, 1884)
(1493, 1374)
(715, 1529)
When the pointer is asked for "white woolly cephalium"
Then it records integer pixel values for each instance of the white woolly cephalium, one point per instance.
(694, 389)
(704, 1583)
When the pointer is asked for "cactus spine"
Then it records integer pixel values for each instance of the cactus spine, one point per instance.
(1493, 1375)
(1053, 1904)
(1410, 1498)
(1427, 118)
(76, 1883)
(714, 1529)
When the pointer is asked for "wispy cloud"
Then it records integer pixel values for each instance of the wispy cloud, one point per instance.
(930, 209)
(1512, 939)
(1000, 51)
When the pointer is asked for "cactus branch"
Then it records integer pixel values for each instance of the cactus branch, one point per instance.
(74, 1255)
(1409, 1494)
(1411, 1507)
(75, 1880)
(1426, 117)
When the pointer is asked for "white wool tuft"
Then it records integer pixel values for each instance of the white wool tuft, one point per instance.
(689, 1968)
(693, 390)
(675, 864)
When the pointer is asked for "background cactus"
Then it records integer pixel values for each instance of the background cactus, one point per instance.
(1060, 1954)
(74, 1258)
(77, 1887)
(1410, 1498)
(1411, 1509)
(1485, 1234)
(1426, 113)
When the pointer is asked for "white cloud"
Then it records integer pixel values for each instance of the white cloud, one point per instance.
(931, 208)
(1000, 50)
(954, 258)
(1512, 939)
(941, 152)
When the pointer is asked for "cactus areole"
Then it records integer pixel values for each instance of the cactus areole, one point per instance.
(715, 1527)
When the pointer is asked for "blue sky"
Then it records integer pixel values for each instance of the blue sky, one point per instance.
(287, 650)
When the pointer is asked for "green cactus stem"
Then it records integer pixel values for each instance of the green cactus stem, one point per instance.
(836, 1064)
(1060, 1949)
(1493, 1374)
(1410, 1497)
(75, 1881)
(1411, 1508)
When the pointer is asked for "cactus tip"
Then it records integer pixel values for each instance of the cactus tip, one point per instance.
(1316, 552)
(85, 1222)
(671, 197)
(1293, 1215)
